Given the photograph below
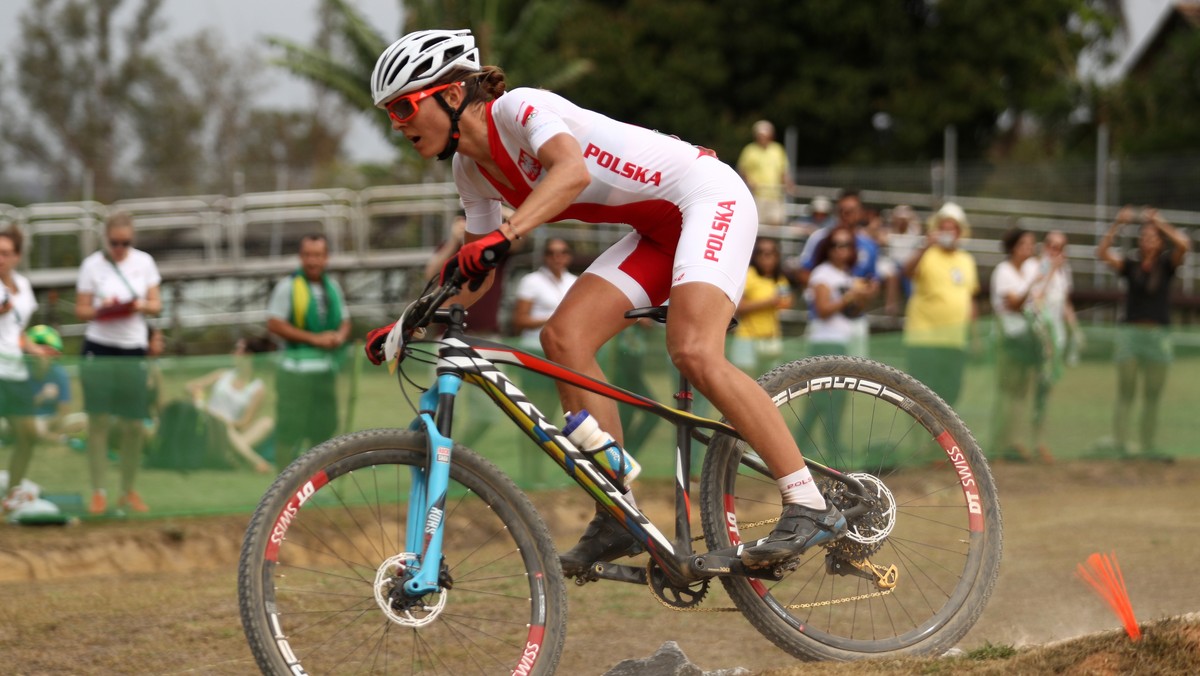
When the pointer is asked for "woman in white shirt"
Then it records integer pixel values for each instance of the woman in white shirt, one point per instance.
(17, 305)
(1020, 351)
(834, 296)
(234, 397)
(118, 287)
(540, 292)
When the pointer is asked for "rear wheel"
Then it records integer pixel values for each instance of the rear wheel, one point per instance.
(320, 580)
(915, 572)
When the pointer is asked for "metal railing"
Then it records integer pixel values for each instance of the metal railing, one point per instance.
(256, 235)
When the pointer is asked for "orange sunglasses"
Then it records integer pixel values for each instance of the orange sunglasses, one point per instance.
(402, 109)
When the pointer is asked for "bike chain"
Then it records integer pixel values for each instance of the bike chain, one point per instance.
(793, 606)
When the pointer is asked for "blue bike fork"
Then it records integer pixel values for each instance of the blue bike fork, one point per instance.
(427, 497)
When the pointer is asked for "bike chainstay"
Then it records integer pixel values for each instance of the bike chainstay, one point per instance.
(793, 606)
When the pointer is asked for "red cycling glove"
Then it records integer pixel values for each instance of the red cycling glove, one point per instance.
(476, 258)
(375, 340)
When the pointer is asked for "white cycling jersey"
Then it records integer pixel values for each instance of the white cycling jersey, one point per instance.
(693, 217)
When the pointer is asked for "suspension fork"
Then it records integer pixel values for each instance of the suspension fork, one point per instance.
(427, 495)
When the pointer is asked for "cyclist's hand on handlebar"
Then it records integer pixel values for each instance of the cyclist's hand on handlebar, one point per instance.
(375, 340)
(476, 258)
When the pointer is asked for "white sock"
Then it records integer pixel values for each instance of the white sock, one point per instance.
(798, 488)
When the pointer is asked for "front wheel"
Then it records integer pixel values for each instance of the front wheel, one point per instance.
(320, 581)
(914, 573)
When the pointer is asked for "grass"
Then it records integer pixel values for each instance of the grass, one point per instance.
(1079, 418)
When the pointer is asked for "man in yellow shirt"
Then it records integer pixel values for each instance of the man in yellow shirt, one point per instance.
(942, 307)
(763, 164)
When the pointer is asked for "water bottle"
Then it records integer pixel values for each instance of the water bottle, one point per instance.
(585, 433)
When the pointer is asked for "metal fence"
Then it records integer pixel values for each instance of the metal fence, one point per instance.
(203, 239)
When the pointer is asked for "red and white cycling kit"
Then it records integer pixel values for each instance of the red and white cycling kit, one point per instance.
(693, 217)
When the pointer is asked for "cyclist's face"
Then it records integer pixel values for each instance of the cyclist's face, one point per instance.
(429, 127)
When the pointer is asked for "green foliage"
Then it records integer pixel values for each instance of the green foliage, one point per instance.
(1152, 111)
(77, 84)
(706, 70)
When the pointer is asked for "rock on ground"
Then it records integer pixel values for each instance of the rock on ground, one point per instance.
(668, 660)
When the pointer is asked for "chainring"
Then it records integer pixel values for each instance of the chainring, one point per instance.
(675, 597)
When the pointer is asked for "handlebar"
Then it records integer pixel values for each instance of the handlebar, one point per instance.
(420, 314)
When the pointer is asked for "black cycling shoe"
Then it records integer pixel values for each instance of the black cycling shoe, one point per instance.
(604, 540)
(799, 528)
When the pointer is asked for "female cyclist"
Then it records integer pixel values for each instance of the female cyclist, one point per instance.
(694, 225)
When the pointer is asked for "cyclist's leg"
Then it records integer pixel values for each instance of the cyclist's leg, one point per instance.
(700, 313)
(719, 225)
(592, 312)
(696, 325)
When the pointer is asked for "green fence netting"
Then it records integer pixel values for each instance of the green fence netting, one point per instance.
(177, 479)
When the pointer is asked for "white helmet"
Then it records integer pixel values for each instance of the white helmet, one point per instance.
(419, 59)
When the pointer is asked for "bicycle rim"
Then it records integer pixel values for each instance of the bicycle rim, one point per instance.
(939, 525)
(313, 599)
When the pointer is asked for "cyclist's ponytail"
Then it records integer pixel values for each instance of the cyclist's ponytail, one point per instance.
(486, 85)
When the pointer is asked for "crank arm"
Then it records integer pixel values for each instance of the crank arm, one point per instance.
(728, 563)
(616, 572)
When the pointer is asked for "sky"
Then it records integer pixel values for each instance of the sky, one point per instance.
(243, 22)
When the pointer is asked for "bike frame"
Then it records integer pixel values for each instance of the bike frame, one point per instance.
(474, 360)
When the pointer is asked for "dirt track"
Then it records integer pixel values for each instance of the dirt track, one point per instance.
(160, 597)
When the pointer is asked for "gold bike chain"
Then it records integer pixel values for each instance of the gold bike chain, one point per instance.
(793, 606)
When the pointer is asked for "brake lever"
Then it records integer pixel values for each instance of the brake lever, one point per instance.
(393, 347)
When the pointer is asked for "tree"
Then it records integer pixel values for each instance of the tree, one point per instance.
(706, 70)
(342, 62)
(77, 79)
(520, 35)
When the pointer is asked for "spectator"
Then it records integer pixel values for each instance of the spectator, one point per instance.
(820, 213)
(540, 292)
(820, 217)
(1143, 342)
(852, 215)
(118, 287)
(763, 164)
(849, 212)
(49, 384)
(1020, 353)
(308, 312)
(901, 238)
(1057, 327)
(758, 339)
(17, 305)
(485, 313)
(942, 310)
(234, 397)
(835, 297)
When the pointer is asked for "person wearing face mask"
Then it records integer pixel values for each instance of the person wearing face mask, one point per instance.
(942, 308)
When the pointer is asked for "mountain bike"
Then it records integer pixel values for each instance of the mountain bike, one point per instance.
(402, 551)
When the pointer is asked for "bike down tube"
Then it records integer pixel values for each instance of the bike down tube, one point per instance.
(429, 485)
(476, 368)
